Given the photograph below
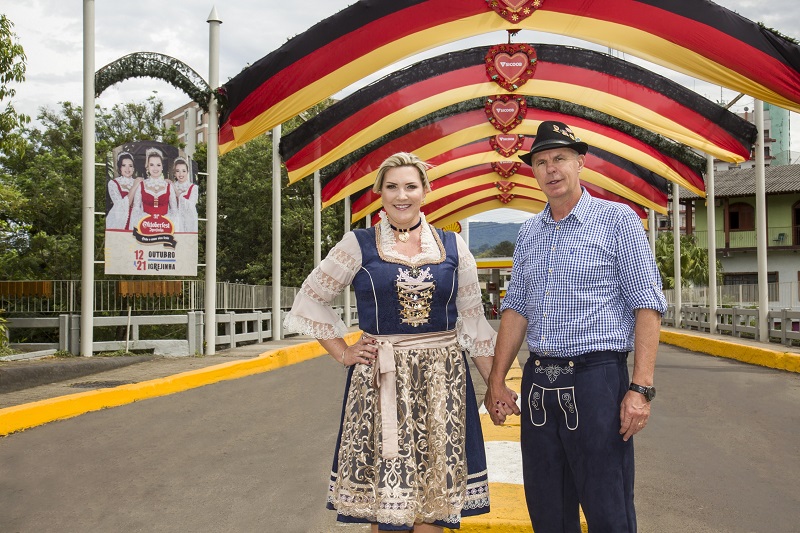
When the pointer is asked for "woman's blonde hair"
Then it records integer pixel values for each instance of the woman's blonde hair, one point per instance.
(402, 159)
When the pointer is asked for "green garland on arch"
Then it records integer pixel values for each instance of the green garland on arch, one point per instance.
(153, 65)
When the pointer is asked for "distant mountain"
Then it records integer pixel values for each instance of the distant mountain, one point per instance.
(485, 235)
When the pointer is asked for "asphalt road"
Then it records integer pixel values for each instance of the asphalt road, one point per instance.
(720, 454)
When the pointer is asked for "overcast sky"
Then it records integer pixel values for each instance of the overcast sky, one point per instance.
(51, 32)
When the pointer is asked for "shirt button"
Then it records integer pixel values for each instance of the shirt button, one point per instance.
(553, 248)
(547, 293)
(550, 271)
(544, 314)
(543, 337)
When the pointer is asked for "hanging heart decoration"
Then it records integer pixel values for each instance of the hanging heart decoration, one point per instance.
(514, 10)
(506, 111)
(505, 198)
(504, 186)
(506, 144)
(506, 168)
(510, 65)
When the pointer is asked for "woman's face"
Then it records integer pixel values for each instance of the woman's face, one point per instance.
(126, 168)
(181, 173)
(402, 194)
(154, 166)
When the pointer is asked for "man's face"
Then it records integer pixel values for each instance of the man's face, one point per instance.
(557, 172)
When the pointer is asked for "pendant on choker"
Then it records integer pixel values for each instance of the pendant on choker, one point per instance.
(403, 236)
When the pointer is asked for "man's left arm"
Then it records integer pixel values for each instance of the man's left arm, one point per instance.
(635, 409)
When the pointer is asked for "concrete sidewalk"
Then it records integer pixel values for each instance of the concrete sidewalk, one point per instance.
(158, 376)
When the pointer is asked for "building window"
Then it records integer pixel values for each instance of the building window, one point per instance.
(178, 126)
(199, 136)
(199, 116)
(741, 217)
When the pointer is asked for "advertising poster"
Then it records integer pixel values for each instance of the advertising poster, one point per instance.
(151, 211)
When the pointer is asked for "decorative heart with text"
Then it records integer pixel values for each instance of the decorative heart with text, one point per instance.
(514, 10)
(510, 65)
(505, 111)
(506, 144)
(504, 186)
(506, 168)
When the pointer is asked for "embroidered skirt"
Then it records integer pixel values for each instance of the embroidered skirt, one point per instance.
(437, 472)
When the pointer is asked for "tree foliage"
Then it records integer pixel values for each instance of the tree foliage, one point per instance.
(40, 199)
(41, 186)
(694, 262)
(501, 249)
(245, 217)
(12, 70)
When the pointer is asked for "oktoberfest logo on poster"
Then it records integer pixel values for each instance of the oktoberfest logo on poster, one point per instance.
(151, 211)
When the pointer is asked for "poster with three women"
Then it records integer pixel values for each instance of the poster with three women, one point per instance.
(151, 211)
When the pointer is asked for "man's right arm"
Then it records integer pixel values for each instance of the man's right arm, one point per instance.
(500, 401)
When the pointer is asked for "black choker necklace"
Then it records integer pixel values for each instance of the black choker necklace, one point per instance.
(403, 236)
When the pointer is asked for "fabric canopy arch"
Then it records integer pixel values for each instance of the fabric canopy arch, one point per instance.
(593, 79)
(461, 140)
(604, 172)
(696, 37)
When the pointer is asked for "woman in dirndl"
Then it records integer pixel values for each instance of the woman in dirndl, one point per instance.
(410, 454)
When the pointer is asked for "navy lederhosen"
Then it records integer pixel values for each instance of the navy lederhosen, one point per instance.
(572, 452)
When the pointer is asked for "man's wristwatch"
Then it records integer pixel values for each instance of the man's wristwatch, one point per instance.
(648, 392)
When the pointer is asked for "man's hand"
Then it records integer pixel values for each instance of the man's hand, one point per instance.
(633, 414)
(500, 401)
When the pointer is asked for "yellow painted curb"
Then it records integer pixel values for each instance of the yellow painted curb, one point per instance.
(508, 513)
(29, 415)
(747, 354)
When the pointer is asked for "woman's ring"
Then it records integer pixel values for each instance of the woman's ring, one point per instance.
(361, 352)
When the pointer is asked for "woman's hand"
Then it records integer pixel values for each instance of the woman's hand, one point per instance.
(364, 351)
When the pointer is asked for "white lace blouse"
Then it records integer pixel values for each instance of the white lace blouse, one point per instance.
(312, 315)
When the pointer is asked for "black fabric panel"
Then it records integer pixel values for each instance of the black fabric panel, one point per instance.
(742, 130)
(369, 94)
(748, 32)
(659, 182)
(307, 43)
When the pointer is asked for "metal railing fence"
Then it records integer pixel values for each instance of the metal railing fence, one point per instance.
(784, 295)
(151, 296)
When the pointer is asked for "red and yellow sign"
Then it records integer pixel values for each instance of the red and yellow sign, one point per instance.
(506, 111)
(510, 65)
(506, 144)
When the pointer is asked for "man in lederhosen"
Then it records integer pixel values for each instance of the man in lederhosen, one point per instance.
(585, 290)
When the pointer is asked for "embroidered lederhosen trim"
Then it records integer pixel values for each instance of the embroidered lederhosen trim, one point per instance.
(564, 394)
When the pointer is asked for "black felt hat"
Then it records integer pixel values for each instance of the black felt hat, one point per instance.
(553, 134)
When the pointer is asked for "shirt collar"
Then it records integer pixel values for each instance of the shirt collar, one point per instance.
(580, 211)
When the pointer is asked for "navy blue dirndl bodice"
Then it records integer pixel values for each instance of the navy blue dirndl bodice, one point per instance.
(380, 311)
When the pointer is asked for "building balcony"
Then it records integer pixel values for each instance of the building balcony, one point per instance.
(787, 238)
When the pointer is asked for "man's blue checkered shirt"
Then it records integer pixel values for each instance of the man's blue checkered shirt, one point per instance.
(578, 280)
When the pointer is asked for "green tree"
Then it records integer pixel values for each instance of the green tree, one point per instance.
(12, 70)
(694, 262)
(41, 188)
(245, 216)
(502, 249)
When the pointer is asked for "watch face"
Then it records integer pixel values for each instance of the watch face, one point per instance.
(650, 394)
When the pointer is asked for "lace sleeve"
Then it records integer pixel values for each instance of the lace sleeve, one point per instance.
(311, 313)
(474, 332)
